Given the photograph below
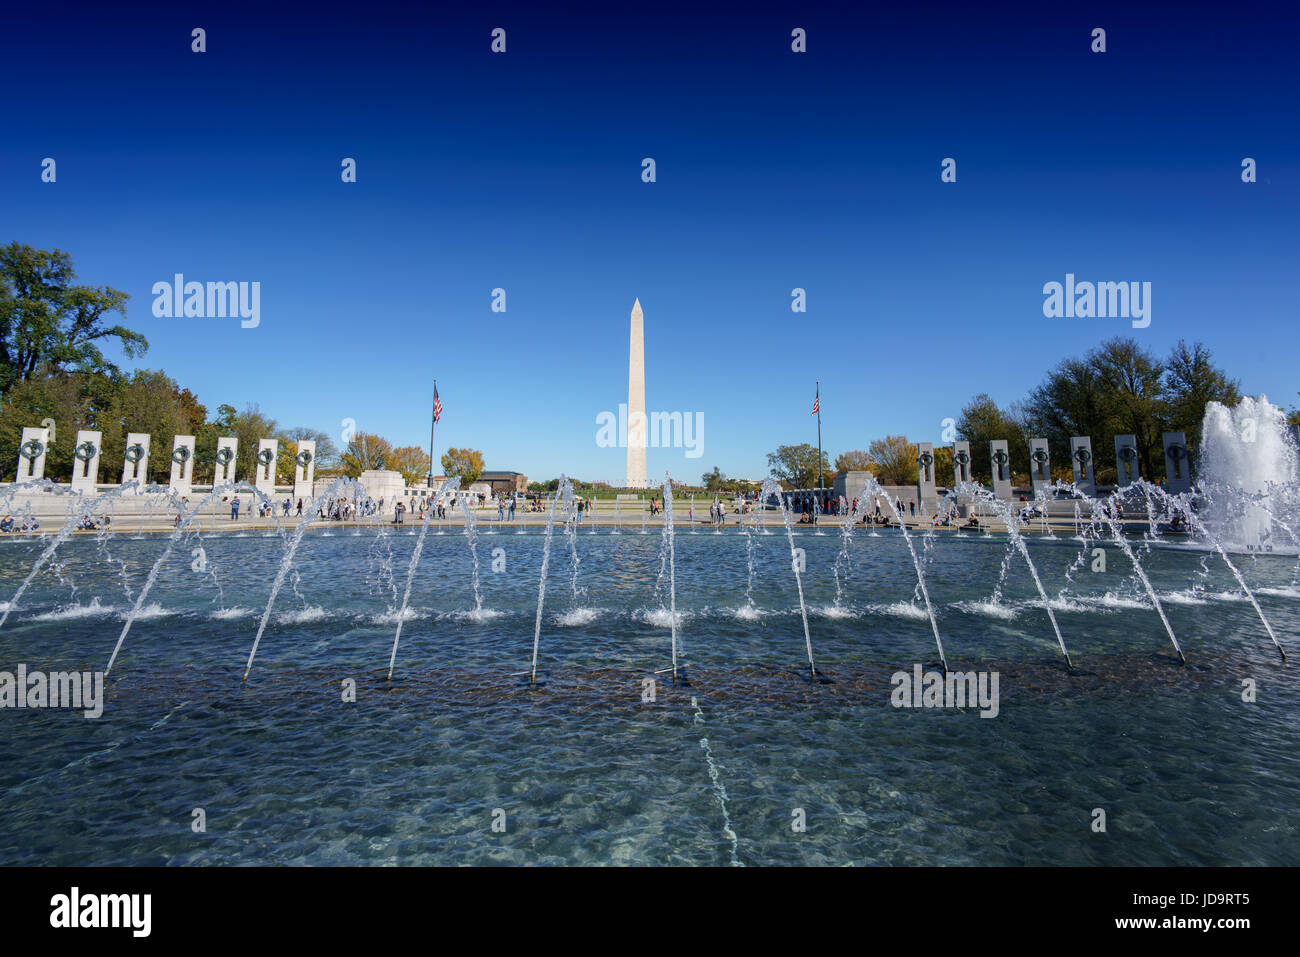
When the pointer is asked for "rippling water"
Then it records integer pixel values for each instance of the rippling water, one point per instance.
(714, 770)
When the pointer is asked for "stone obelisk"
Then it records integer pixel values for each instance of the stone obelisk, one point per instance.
(636, 420)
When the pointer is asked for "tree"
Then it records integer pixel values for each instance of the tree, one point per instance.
(856, 461)
(893, 460)
(982, 422)
(249, 428)
(412, 461)
(713, 481)
(153, 403)
(797, 466)
(50, 324)
(1191, 382)
(1072, 400)
(60, 397)
(327, 454)
(465, 464)
(1131, 395)
(364, 453)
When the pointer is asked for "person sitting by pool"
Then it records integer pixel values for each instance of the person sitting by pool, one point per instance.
(7, 524)
(30, 524)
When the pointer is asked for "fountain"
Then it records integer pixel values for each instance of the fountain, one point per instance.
(450, 485)
(770, 487)
(1248, 474)
(541, 583)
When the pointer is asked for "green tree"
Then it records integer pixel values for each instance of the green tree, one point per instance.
(797, 466)
(713, 481)
(1191, 382)
(153, 403)
(60, 397)
(48, 323)
(981, 422)
(327, 453)
(1072, 400)
(1130, 382)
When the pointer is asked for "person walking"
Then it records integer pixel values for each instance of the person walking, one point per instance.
(512, 508)
(234, 509)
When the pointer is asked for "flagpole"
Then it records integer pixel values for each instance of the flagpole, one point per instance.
(820, 478)
(433, 420)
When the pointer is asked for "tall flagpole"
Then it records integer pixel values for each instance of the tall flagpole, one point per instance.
(820, 478)
(433, 420)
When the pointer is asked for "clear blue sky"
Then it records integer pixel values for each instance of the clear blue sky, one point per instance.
(775, 170)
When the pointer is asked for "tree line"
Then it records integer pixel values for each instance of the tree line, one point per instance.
(1117, 388)
(53, 368)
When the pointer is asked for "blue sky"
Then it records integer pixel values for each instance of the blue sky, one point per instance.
(775, 170)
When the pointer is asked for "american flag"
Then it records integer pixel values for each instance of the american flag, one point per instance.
(817, 404)
(437, 405)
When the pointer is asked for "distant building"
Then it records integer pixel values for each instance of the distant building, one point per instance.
(504, 482)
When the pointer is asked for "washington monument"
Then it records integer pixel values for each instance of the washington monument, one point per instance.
(636, 421)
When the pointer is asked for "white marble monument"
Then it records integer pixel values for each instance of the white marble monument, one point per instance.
(1040, 465)
(264, 481)
(227, 448)
(1082, 462)
(31, 454)
(304, 471)
(1000, 460)
(927, 495)
(85, 462)
(961, 464)
(637, 429)
(182, 477)
(135, 467)
(1126, 460)
(1178, 467)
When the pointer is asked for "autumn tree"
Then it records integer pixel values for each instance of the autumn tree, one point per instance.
(855, 461)
(365, 452)
(412, 461)
(893, 460)
(464, 464)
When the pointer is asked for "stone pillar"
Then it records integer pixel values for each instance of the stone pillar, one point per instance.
(1126, 460)
(1178, 466)
(927, 496)
(1083, 463)
(267, 449)
(1040, 465)
(85, 462)
(135, 468)
(304, 471)
(227, 449)
(637, 426)
(961, 464)
(182, 478)
(32, 450)
(1000, 459)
